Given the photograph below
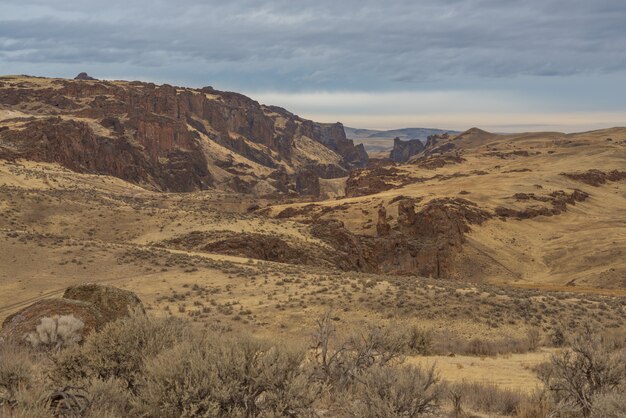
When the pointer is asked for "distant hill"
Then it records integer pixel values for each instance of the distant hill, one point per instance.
(381, 142)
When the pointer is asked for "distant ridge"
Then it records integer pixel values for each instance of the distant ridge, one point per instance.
(381, 142)
(403, 133)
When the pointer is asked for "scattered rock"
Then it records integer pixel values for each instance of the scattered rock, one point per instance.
(558, 200)
(437, 161)
(596, 177)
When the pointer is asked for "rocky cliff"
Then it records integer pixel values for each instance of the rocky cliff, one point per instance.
(403, 150)
(168, 138)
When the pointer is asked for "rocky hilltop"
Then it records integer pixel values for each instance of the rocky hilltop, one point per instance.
(168, 138)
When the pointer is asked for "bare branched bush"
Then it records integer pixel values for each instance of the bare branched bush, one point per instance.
(340, 362)
(56, 332)
(109, 398)
(590, 368)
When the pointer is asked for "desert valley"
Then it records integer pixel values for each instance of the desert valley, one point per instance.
(486, 255)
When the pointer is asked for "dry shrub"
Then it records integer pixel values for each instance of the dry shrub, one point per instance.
(16, 372)
(56, 332)
(394, 392)
(446, 343)
(419, 341)
(536, 406)
(533, 335)
(339, 362)
(578, 375)
(226, 378)
(29, 403)
(488, 398)
(610, 405)
(119, 350)
(109, 398)
(364, 373)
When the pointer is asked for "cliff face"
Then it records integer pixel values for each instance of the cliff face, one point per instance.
(167, 138)
(403, 150)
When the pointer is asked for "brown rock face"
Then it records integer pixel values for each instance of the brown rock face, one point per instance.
(114, 303)
(403, 150)
(373, 180)
(19, 325)
(424, 242)
(308, 183)
(382, 226)
(76, 146)
(162, 137)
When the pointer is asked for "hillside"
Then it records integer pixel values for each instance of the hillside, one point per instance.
(170, 138)
(536, 209)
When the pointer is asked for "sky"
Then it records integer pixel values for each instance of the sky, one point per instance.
(502, 65)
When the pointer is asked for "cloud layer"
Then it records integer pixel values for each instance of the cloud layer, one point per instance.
(325, 45)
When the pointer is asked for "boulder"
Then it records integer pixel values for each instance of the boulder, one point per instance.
(20, 324)
(114, 303)
(93, 304)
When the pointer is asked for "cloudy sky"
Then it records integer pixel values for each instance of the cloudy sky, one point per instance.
(502, 65)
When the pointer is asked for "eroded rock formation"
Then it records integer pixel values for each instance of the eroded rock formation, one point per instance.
(403, 150)
(164, 137)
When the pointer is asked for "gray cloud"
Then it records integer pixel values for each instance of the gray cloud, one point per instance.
(321, 44)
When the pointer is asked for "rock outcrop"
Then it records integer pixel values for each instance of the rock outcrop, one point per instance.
(308, 183)
(94, 305)
(382, 226)
(83, 76)
(403, 150)
(113, 303)
(16, 327)
(597, 177)
(424, 242)
(167, 138)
